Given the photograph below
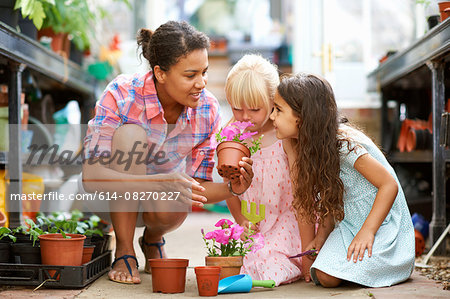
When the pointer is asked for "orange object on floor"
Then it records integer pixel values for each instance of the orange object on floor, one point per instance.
(420, 243)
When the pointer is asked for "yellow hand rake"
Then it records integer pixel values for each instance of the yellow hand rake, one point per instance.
(253, 217)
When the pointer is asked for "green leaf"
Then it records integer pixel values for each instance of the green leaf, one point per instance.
(28, 6)
(38, 15)
(18, 4)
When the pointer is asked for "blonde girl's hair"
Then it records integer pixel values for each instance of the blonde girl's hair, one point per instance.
(252, 82)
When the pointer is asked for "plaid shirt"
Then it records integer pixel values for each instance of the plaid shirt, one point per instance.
(132, 99)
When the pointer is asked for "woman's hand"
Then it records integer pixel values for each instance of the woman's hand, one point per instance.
(186, 186)
(245, 179)
(362, 241)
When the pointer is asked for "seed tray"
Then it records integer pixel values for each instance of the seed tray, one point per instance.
(55, 276)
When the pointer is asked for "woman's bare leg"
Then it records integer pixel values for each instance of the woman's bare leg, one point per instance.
(124, 223)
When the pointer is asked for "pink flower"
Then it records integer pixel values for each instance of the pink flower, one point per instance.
(258, 240)
(236, 232)
(210, 235)
(230, 132)
(224, 223)
(223, 235)
(242, 125)
(247, 135)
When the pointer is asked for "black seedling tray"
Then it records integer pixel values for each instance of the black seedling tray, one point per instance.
(64, 277)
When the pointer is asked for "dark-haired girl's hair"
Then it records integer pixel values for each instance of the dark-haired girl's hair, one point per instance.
(169, 42)
(318, 189)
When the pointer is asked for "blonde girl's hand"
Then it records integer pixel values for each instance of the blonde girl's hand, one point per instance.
(362, 241)
(245, 179)
(249, 229)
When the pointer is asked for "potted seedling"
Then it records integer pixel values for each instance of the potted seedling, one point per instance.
(233, 144)
(27, 248)
(6, 237)
(227, 246)
(93, 244)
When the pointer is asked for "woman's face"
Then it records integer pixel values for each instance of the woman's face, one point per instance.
(284, 120)
(185, 80)
(257, 116)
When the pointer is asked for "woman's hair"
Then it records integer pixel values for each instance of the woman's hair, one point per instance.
(318, 190)
(169, 42)
(252, 82)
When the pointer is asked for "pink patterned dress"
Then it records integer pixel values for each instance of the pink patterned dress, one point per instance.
(271, 186)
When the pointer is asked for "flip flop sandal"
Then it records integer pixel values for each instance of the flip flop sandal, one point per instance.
(142, 243)
(124, 258)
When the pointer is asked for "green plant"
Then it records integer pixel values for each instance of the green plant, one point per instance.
(75, 17)
(237, 132)
(34, 10)
(57, 222)
(31, 229)
(229, 240)
(6, 232)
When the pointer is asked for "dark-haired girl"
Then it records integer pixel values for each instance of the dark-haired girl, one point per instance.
(168, 114)
(340, 177)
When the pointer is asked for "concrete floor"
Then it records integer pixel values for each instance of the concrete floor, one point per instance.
(186, 242)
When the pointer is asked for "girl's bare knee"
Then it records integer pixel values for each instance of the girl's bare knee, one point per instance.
(327, 281)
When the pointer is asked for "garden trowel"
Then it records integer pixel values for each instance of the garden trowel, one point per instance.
(242, 283)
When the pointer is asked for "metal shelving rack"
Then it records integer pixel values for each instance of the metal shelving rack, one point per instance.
(20, 52)
(405, 70)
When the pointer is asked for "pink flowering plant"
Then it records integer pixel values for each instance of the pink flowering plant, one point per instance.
(230, 241)
(237, 132)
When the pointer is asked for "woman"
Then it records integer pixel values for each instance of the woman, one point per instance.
(148, 115)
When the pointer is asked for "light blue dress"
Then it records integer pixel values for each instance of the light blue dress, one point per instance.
(393, 250)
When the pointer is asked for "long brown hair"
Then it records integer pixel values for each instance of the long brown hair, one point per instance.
(318, 189)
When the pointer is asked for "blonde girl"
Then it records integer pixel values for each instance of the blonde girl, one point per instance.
(250, 88)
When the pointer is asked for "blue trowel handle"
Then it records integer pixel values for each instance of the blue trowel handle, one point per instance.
(263, 283)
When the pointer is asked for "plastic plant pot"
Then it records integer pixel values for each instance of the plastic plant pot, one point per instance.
(87, 253)
(57, 250)
(169, 275)
(207, 280)
(229, 153)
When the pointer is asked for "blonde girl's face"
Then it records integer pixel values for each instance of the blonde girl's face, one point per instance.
(284, 119)
(257, 116)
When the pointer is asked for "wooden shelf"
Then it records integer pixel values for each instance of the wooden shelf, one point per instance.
(21, 49)
(434, 44)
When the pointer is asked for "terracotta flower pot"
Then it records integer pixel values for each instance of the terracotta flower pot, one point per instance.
(444, 9)
(229, 153)
(2, 218)
(207, 280)
(420, 243)
(230, 265)
(169, 275)
(56, 250)
(87, 253)
(60, 43)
